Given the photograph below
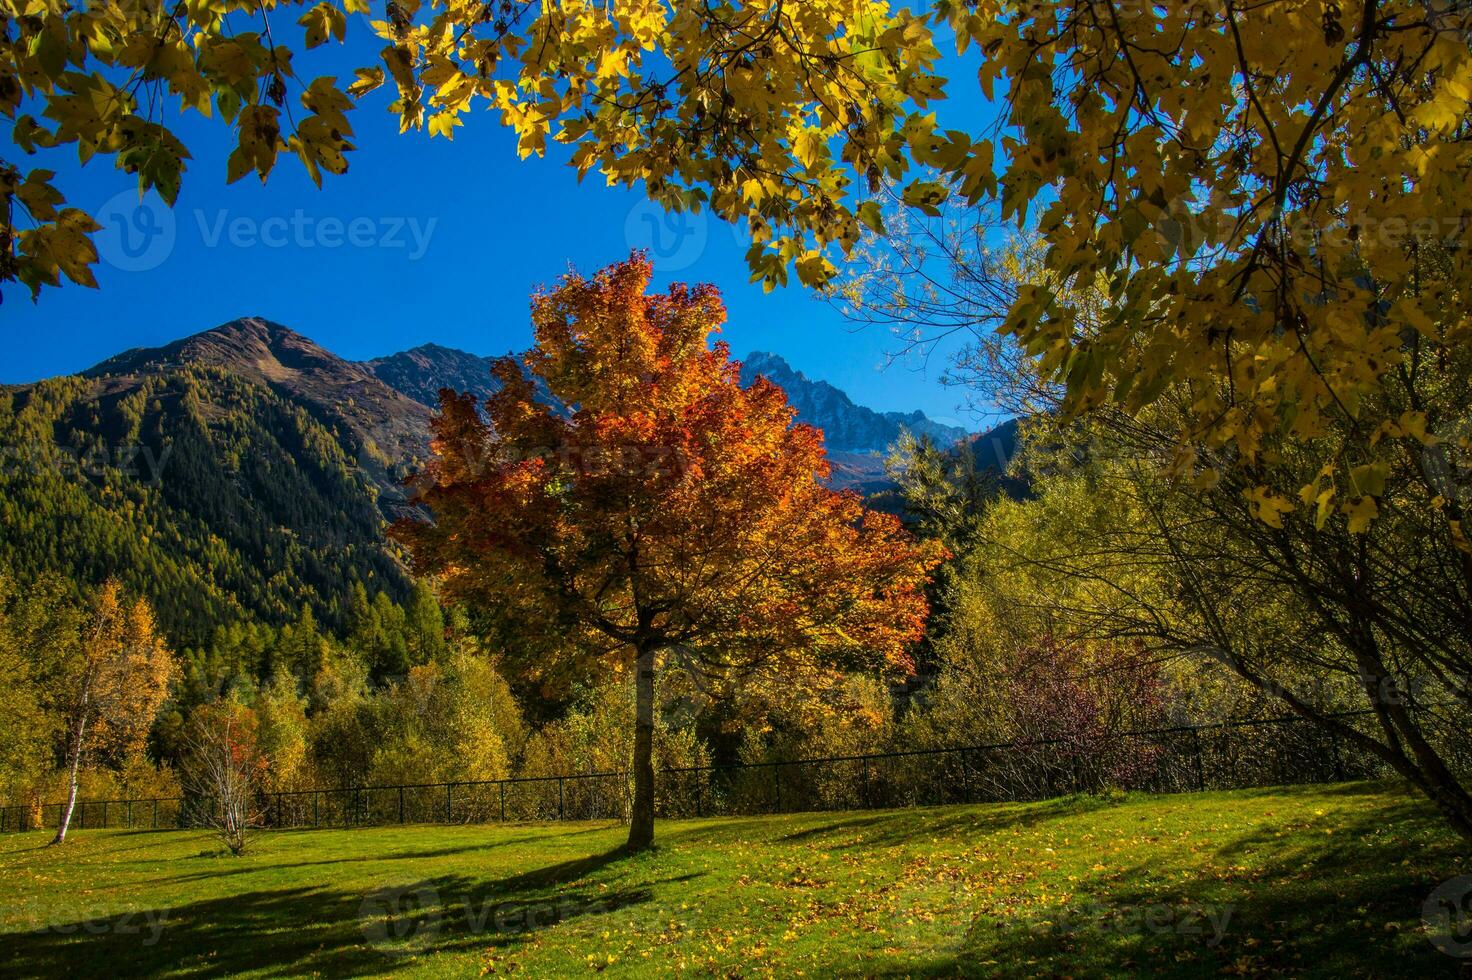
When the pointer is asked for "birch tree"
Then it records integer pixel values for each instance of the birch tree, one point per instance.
(111, 674)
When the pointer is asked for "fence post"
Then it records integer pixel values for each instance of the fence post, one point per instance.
(503, 800)
(561, 801)
(777, 784)
(866, 782)
(155, 813)
(104, 814)
(449, 800)
(1196, 748)
(401, 804)
(965, 778)
(315, 811)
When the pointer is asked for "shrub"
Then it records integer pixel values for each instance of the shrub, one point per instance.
(225, 771)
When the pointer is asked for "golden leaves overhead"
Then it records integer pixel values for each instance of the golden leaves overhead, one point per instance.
(1273, 192)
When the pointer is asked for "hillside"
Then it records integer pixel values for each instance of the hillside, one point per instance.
(383, 428)
(234, 475)
(217, 498)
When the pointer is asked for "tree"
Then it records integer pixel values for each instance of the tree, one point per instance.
(443, 722)
(424, 626)
(304, 647)
(281, 733)
(1068, 706)
(111, 673)
(1359, 633)
(378, 632)
(745, 83)
(225, 771)
(1351, 595)
(26, 728)
(675, 519)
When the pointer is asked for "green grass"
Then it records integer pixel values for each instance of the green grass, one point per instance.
(1325, 880)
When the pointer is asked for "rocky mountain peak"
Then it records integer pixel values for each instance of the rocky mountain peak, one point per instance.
(847, 427)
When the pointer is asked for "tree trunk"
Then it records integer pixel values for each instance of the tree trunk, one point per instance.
(1436, 780)
(641, 822)
(1452, 800)
(74, 761)
(1403, 731)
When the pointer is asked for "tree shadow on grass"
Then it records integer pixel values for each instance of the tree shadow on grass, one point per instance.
(1356, 788)
(330, 932)
(279, 931)
(1338, 897)
(74, 841)
(890, 828)
(40, 845)
(375, 857)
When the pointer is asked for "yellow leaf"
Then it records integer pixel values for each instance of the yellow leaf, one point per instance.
(443, 124)
(1267, 506)
(809, 148)
(1370, 478)
(1413, 424)
(1361, 513)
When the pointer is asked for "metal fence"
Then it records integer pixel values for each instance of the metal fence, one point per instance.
(1231, 755)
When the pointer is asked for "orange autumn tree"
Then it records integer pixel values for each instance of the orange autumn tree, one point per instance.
(657, 513)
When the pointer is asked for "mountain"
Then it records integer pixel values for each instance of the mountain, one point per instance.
(239, 474)
(857, 437)
(994, 449)
(245, 472)
(422, 371)
(381, 426)
(847, 428)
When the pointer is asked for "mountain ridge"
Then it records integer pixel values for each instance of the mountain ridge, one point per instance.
(384, 404)
(245, 471)
(385, 428)
(420, 372)
(847, 427)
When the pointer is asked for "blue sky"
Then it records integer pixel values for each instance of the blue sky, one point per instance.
(421, 241)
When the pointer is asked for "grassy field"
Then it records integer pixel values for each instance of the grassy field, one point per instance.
(1327, 881)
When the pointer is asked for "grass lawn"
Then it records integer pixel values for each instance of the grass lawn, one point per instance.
(1325, 880)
